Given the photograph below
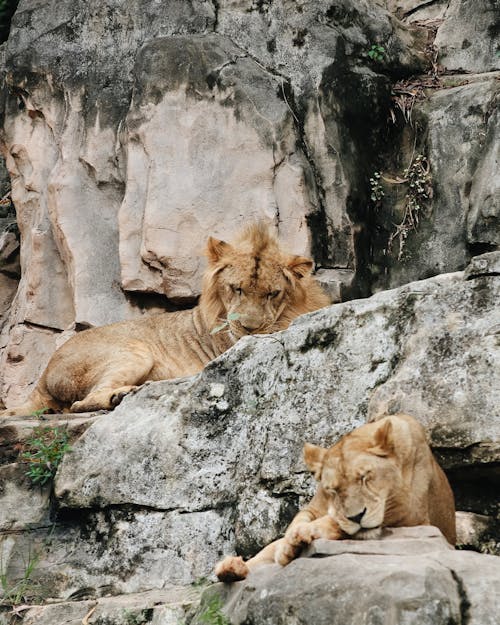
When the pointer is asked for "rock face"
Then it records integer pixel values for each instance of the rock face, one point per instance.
(129, 139)
(210, 464)
(398, 584)
(131, 131)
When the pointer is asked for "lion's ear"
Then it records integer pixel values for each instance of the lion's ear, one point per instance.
(384, 444)
(216, 249)
(313, 457)
(299, 266)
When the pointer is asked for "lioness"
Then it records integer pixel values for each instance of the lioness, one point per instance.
(249, 287)
(382, 474)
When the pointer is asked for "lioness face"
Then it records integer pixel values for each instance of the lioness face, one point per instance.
(360, 479)
(359, 490)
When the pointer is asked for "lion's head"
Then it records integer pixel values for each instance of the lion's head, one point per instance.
(254, 286)
(361, 478)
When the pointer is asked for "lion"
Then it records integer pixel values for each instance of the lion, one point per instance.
(250, 287)
(382, 474)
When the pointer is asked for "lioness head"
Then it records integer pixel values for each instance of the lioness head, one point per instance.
(360, 478)
(254, 287)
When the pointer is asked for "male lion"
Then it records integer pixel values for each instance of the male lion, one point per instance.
(250, 287)
(382, 474)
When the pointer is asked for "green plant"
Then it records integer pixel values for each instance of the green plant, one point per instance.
(376, 53)
(16, 593)
(212, 612)
(376, 190)
(38, 414)
(136, 618)
(224, 324)
(45, 451)
(418, 179)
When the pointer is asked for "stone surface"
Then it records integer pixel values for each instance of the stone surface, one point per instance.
(166, 607)
(478, 532)
(456, 129)
(24, 505)
(131, 138)
(468, 38)
(439, 587)
(180, 492)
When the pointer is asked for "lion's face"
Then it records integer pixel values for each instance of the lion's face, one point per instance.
(248, 288)
(361, 480)
(253, 294)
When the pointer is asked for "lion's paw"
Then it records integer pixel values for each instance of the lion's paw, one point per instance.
(286, 552)
(302, 534)
(120, 393)
(231, 569)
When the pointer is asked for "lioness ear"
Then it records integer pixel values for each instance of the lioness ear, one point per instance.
(216, 249)
(384, 444)
(313, 457)
(299, 266)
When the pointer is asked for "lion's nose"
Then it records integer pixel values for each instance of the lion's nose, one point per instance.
(357, 517)
(249, 324)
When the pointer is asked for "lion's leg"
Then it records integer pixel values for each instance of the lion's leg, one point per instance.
(233, 568)
(301, 534)
(37, 401)
(116, 382)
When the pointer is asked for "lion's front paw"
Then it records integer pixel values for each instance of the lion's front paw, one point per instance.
(120, 393)
(302, 534)
(231, 569)
(286, 552)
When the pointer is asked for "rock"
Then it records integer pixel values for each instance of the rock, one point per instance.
(165, 607)
(455, 129)
(217, 157)
(24, 505)
(478, 532)
(468, 38)
(483, 265)
(435, 587)
(171, 503)
(130, 139)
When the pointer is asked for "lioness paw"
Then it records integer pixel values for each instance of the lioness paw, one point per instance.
(231, 569)
(286, 552)
(302, 534)
(120, 393)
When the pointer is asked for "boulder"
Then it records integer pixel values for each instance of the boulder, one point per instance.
(467, 40)
(455, 128)
(375, 581)
(206, 465)
(132, 137)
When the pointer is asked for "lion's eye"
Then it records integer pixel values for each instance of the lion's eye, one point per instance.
(236, 289)
(273, 294)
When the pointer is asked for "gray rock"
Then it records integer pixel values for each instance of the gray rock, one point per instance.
(456, 129)
(468, 38)
(208, 464)
(130, 137)
(478, 532)
(436, 587)
(165, 607)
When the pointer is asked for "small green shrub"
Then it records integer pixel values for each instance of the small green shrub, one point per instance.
(16, 593)
(44, 453)
(212, 612)
(376, 190)
(376, 53)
